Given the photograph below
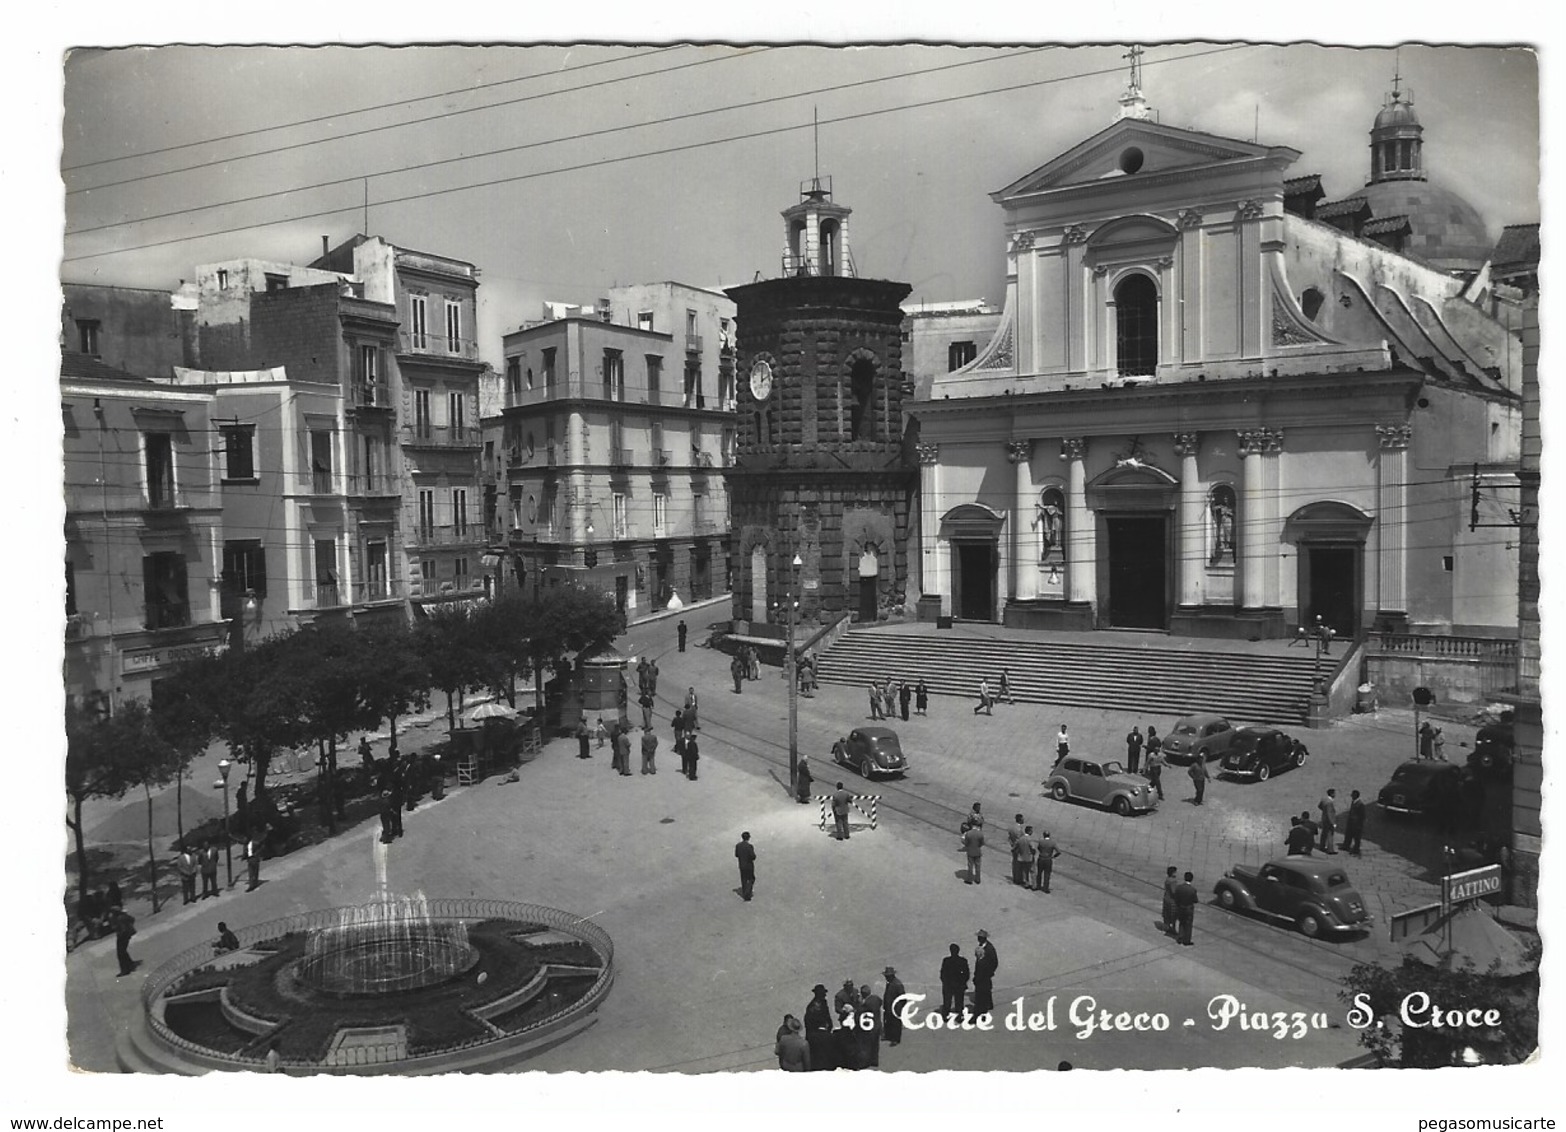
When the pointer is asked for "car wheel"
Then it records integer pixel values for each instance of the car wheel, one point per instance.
(1299, 757)
(1227, 899)
(863, 768)
(1310, 924)
(1059, 792)
(1263, 772)
(1121, 805)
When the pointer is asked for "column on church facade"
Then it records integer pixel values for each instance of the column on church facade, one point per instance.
(1191, 545)
(1081, 565)
(1024, 529)
(1251, 522)
(1271, 534)
(932, 572)
(1392, 518)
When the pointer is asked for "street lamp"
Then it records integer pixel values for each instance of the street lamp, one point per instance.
(224, 766)
(791, 664)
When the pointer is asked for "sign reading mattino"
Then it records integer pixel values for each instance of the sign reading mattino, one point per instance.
(1471, 885)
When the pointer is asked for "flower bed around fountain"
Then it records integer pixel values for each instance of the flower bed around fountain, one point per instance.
(388, 987)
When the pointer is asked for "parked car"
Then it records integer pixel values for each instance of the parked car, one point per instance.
(1493, 747)
(1422, 786)
(871, 751)
(1259, 752)
(1102, 783)
(1206, 735)
(1314, 894)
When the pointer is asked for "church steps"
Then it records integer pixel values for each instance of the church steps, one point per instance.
(1244, 687)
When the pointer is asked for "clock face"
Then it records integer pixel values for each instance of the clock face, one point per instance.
(760, 380)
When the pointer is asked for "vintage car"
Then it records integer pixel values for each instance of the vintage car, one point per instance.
(1493, 748)
(1258, 752)
(1208, 736)
(1421, 786)
(1312, 893)
(1102, 783)
(871, 751)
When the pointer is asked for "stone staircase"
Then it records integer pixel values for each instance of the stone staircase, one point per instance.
(1244, 686)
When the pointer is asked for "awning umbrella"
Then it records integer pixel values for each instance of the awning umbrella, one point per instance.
(491, 711)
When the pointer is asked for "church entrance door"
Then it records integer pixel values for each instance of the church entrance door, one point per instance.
(1333, 576)
(1138, 571)
(974, 584)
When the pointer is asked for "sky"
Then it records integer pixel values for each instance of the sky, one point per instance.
(562, 171)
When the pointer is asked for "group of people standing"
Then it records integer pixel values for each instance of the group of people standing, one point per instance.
(845, 1033)
(956, 973)
(889, 698)
(746, 665)
(1307, 834)
(1180, 901)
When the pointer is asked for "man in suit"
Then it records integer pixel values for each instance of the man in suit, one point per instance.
(904, 695)
(1133, 749)
(1171, 882)
(745, 852)
(1047, 854)
(188, 867)
(691, 722)
(1026, 854)
(869, 1036)
(1199, 776)
(1298, 842)
(1328, 807)
(692, 754)
(1185, 898)
(1354, 828)
(1013, 837)
(681, 630)
(649, 751)
(973, 847)
(954, 982)
(985, 963)
(209, 864)
(841, 800)
(892, 1024)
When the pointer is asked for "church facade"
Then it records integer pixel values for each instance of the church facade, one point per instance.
(1211, 412)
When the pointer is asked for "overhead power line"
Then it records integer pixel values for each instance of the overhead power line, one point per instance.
(601, 162)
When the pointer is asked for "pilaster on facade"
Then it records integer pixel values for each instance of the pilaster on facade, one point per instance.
(1025, 534)
(1392, 517)
(1081, 535)
(1191, 520)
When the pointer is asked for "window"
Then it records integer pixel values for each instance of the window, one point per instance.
(959, 354)
(429, 580)
(372, 465)
(321, 461)
(426, 514)
(659, 456)
(693, 394)
(699, 511)
(654, 376)
(690, 324)
(87, 335)
(1136, 326)
(453, 327)
(457, 415)
(727, 451)
(368, 373)
(70, 588)
(459, 510)
(160, 468)
(549, 368)
(644, 320)
(514, 376)
(239, 452)
(617, 453)
(622, 525)
(660, 515)
(422, 421)
(375, 582)
(163, 586)
(276, 282)
(222, 279)
(244, 567)
(614, 375)
(1220, 532)
(546, 513)
(1310, 302)
(459, 574)
(326, 573)
(861, 419)
(418, 321)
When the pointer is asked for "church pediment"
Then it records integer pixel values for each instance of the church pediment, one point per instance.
(1136, 148)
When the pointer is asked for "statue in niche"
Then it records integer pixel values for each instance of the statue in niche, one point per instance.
(1049, 518)
(1222, 507)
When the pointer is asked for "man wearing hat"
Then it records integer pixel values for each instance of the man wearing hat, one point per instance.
(846, 1047)
(745, 852)
(869, 1036)
(893, 1022)
(954, 982)
(818, 1029)
(985, 963)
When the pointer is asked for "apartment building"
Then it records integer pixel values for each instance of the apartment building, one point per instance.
(143, 531)
(612, 432)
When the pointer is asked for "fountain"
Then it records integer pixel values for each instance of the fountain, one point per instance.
(387, 946)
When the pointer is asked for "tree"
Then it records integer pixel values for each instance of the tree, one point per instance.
(1386, 989)
(451, 643)
(396, 680)
(335, 670)
(568, 620)
(183, 713)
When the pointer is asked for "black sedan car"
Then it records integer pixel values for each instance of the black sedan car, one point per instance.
(871, 751)
(1424, 787)
(1315, 895)
(1258, 752)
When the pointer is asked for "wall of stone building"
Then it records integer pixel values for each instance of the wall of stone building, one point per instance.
(138, 330)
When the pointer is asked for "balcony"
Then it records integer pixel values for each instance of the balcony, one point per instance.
(327, 596)
(371, 395)
(693, 343)
(377, 485)
(437, 346)
(552, 454)
(621, 457)
(77, 627)
(662, 457)
(419, 435)
(377, 589)
(452, 534)
(322, 483)
(166, 615)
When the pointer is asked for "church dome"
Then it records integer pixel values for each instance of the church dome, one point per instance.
(1446, 231)
(1395, 114)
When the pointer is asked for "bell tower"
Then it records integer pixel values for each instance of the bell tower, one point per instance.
(821, 471)
(1397, 139)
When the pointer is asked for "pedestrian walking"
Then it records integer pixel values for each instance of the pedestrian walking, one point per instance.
(875, 701)
(646, 702)
(904, 695)
(692, 755)
(1133, 749)
(584, 741)
(1328, 808)
(1199, 776)
(841, 799)
(691, 722)
(1048, 851)
(601, 733)
(921, 697)
(1154, 745)
(253, 862)
(985, 963)
(737, 671)
(1154, 770)
(869, 1029)
(622, 748)
(1013, 837)
(188, 867)
(1185, 897)
(1062, 743)
(649, 751)
(1005, 686)
(209, 866)
(365, 756)
(818, 1029)
(1354, 827)
(791, 1047)
(124, 927)
(973, 847)
(802, 780)
(753, 659)
(1298, 842)
(1168, 919)
(745, 853)
(986, 704)
(681, 631)
(892, 1021)
(954, 982)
